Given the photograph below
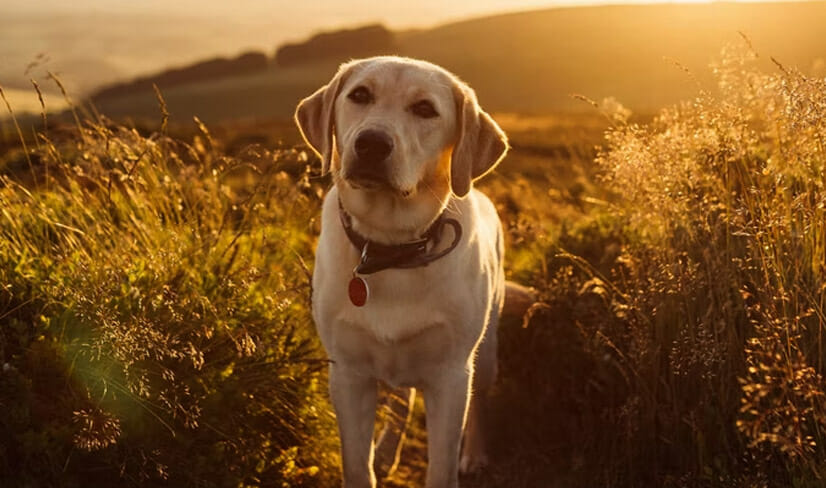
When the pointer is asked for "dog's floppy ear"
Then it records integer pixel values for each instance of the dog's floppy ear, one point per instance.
(480, 144)
(315, 117)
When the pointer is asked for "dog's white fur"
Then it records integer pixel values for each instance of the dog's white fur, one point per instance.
(431, 328)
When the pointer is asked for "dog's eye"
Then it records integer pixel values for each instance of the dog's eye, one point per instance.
(424, 109)
(360, 95)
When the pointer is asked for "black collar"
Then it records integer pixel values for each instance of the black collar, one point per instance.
(413, 254)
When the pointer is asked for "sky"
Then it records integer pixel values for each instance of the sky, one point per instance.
(310, 14)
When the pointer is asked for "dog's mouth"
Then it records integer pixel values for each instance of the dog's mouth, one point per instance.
(377, 185)
(367, 182)
(371, 182)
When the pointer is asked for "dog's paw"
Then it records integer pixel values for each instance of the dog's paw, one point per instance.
(471, 462)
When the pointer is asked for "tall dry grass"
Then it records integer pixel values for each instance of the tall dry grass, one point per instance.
(729, 195)
(155, 327)
(720, 283)
(680, 342)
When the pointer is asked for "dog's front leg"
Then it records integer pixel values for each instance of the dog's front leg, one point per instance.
(446, 403)
(354, 399)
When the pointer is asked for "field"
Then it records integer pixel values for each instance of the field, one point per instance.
(155, 329)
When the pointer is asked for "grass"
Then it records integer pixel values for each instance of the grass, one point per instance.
(154, 311)
(730, 219)
(154, 303)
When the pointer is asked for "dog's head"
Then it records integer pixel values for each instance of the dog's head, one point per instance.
(401, 132)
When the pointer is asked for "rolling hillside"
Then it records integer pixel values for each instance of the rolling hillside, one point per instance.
(531, 62)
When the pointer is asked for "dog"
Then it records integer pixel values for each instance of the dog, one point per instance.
(408, 281)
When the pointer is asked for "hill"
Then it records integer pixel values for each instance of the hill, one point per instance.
(209, 70)
(531, 62)
(358, 42)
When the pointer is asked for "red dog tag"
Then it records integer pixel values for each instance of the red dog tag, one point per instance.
(358, 291)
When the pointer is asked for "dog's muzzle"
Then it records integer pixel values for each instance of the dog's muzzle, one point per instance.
(372, 150)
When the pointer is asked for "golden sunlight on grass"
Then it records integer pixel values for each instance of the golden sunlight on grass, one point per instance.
(155, 327)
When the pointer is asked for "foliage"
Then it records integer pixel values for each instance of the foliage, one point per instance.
(695, 330)
(155, 326)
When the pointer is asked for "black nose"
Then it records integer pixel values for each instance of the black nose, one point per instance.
(373, 146)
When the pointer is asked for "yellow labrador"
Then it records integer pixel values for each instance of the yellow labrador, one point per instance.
(408, 281)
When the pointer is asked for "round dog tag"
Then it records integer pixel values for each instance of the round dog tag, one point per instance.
(358, 291)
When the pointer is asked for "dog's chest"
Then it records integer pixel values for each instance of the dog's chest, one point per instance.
(401, 303)
(410, 362)
(414, 323)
